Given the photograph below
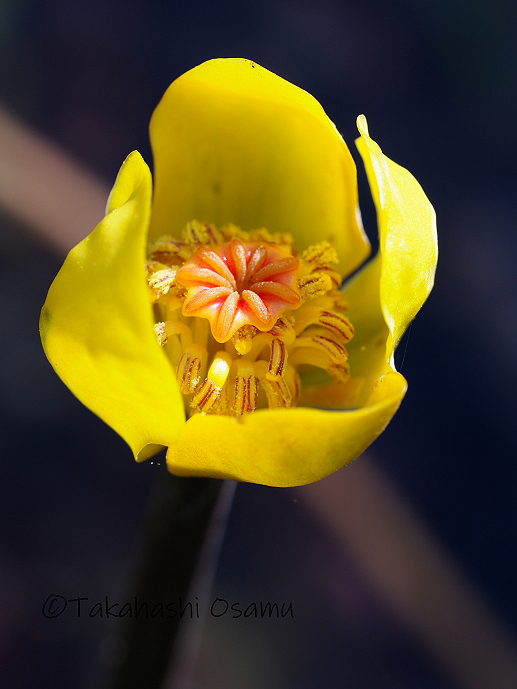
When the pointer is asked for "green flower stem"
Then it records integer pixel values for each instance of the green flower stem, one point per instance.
(183, 537)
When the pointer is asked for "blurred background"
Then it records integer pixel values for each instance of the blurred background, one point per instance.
(438, 83)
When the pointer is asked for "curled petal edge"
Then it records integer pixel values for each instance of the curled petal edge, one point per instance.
(408, 242)
(96, 325)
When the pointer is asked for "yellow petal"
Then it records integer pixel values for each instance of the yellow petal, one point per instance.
(97, 327)
(407, 236)
(234, 143)
(367, 351)
(287, 447)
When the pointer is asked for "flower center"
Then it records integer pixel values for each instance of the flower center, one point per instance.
(239, 284)
(273, 311)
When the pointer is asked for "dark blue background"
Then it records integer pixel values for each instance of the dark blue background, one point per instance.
(438, 84)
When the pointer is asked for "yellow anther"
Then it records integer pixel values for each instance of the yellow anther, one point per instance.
(277, 360)
(230, 231)
(152, 266)
(334, 276)
(196, 233)
(221, 406)
(159, 330)
(331, 320)
(277, 391)
(337, 323)
(321, 255)
(188, 371)
(165, 250)
(246, 388)
(282, 326)
(206, 397)
(162, 280)
(314, 285)
(243, 339)
(334, 349)
(281, 238)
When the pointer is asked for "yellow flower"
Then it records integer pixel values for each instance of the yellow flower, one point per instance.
(240, 149)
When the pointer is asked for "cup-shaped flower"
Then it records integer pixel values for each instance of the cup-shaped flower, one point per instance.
(241, 353)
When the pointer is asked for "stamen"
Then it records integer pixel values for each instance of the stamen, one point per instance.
(277, 391)
(188, 371)
(196, 233)
(206, 397)
(334, 276)
(284, 330)
(159, 330)
(169, 328)
(165, 250)
(282, 325)
(331, 320)
(338, 323)
(161, 281)
(314, 285)
(283, 239)
(335, 350)
(210, 392)
(321, 255)
(246, 390)
(277, 360)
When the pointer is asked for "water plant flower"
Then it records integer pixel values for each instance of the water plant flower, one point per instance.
(210, 316)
